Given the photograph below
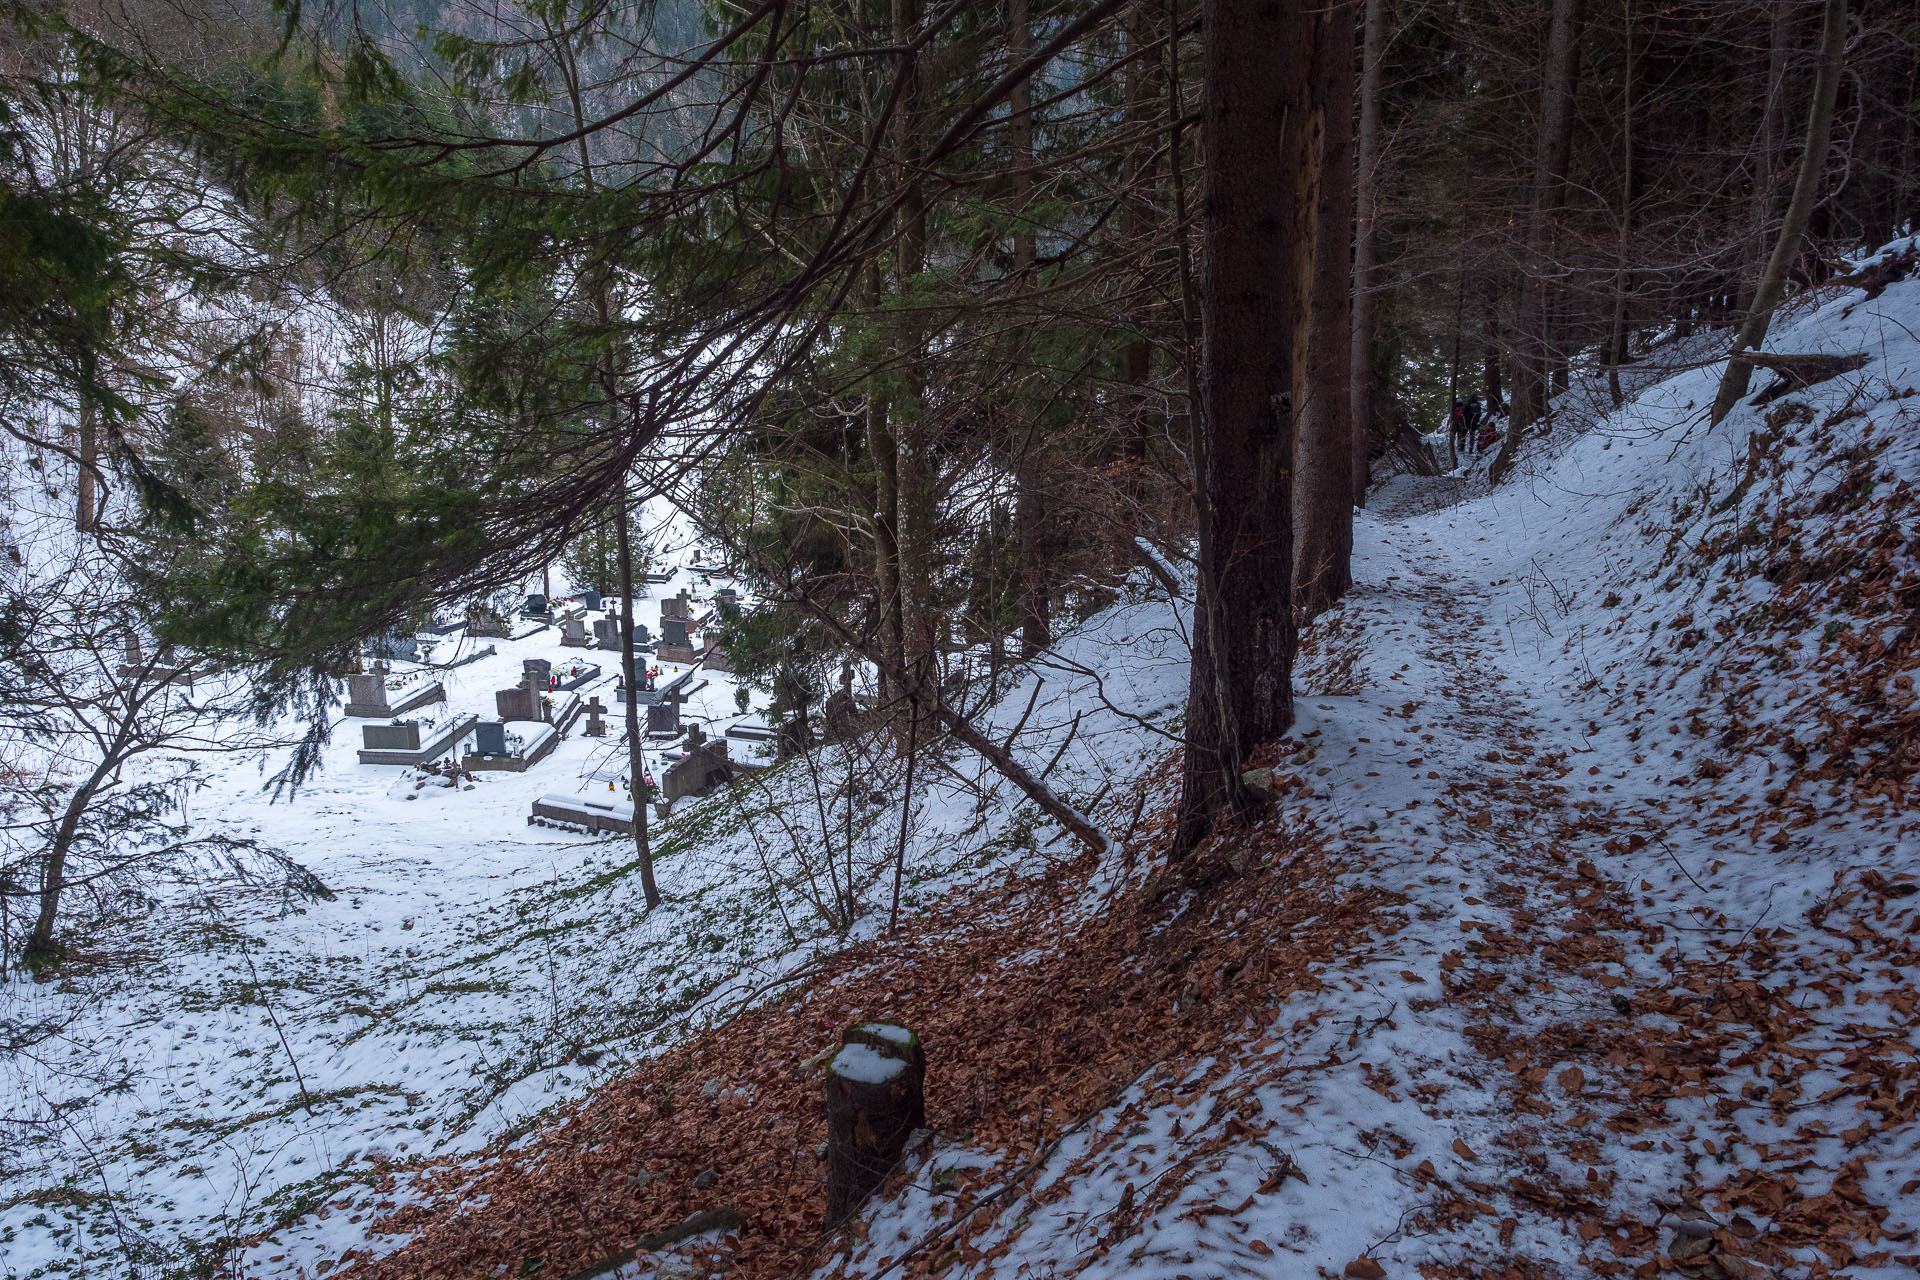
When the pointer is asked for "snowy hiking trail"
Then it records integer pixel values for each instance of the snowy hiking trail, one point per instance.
(1539, 1069)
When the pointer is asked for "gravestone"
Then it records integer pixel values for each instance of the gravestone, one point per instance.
(591, 599)
(702, 769)
(573, 634)
(535, 607)
(404, 736)
(367, 695)
(596, 726)
(537, 674)
(728, 598)
(489, 738)
(641, 635)
(664, 717)
(606, 633)
(135, 656)
(673, 631)
(483, 623)
(517, 703)
(673, 607)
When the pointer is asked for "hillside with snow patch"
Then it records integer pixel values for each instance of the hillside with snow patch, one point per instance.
(1580, 940)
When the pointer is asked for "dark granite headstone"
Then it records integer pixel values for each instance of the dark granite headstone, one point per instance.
(673, 631)
(404, 736)
(535, 607)
(664, 717)
(591, 599)
(489, 738)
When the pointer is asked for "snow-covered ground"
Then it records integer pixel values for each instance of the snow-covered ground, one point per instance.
(1576, 741)
(1639, 992)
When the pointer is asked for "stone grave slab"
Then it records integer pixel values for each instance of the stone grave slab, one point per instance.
(537, 747)
(405, 743)
(581, 812)
(574, 674)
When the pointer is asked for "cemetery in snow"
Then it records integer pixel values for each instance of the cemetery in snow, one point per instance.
(519, 705)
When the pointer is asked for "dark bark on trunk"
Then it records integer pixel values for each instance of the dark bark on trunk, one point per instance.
(1616, 349)
(1323, 456)
(1259, 120)
(636, 754)
(53, 875)
(1537, 295)
(1491, 353)
(920, 626)
(86, 516)
(886, 518)
(1030, 501)
(1365, 249)
(1136, 180)
(1813, 160)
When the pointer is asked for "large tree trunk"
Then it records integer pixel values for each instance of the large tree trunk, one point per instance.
(1259, 121)
(1323, 456)
(1136, 183)
(636, 753)
(1537, 296)
(86, 515)
(1806, 186)
(1365, 248)
(1030, 500)
(1616, 347)
(1491, 352)
(914, 475)
(888, 633)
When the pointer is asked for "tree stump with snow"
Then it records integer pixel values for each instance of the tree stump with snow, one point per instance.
(875, 1092)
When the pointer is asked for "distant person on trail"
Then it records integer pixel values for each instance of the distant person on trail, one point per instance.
(1473, 423)
(1490, 429)
(1457, 427)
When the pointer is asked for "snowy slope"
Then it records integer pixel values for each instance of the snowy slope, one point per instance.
(1566, 950)
(1521, 721)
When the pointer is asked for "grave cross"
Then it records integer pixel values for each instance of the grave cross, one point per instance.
(596, 727)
